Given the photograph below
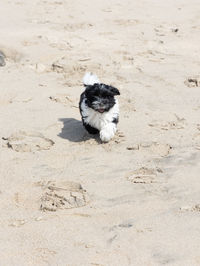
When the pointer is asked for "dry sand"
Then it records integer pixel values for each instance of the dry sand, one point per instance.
(66, 199)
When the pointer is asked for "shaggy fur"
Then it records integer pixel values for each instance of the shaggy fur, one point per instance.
(98, 107)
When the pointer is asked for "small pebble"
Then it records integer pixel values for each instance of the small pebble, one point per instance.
(175, 30)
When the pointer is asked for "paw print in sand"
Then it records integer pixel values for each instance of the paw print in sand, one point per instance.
(64, 195)
(193, 81)
(179, 123)
(143, 175)
(28, 142)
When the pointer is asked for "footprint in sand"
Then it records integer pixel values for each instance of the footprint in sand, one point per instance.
(179, 123)
(63, 195)
(156, 148)
(61, 98)
(193, 81)
(119, 137)
(165, 30)
(153, 56)
(152, 147)
(64, 65)
(28, 141)
(143, 175)
(195, 208)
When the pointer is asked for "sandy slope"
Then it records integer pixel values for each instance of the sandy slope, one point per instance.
(143, 192)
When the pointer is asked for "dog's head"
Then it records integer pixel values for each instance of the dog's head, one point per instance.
(100, 97)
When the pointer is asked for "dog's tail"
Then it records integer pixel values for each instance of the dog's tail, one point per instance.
(90, 79)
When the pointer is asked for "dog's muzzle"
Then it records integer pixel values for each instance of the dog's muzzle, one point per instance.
(101, 110)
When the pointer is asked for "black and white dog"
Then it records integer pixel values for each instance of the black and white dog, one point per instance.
(98, 107)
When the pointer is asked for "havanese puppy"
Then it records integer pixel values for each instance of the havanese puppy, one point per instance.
(98, 107)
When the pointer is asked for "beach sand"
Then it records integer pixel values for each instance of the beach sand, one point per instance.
(66, 198)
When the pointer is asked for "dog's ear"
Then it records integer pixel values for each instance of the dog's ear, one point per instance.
(88, 89)
(113, 90)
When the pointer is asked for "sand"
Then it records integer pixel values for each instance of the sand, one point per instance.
(66, 198)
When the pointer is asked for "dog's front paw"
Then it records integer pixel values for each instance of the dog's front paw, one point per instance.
(107, 133)
(105, 136)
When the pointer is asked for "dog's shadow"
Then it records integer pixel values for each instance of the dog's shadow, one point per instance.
(74, 131)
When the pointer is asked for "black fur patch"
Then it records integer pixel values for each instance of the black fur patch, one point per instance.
(115, 120)
(90, 129)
